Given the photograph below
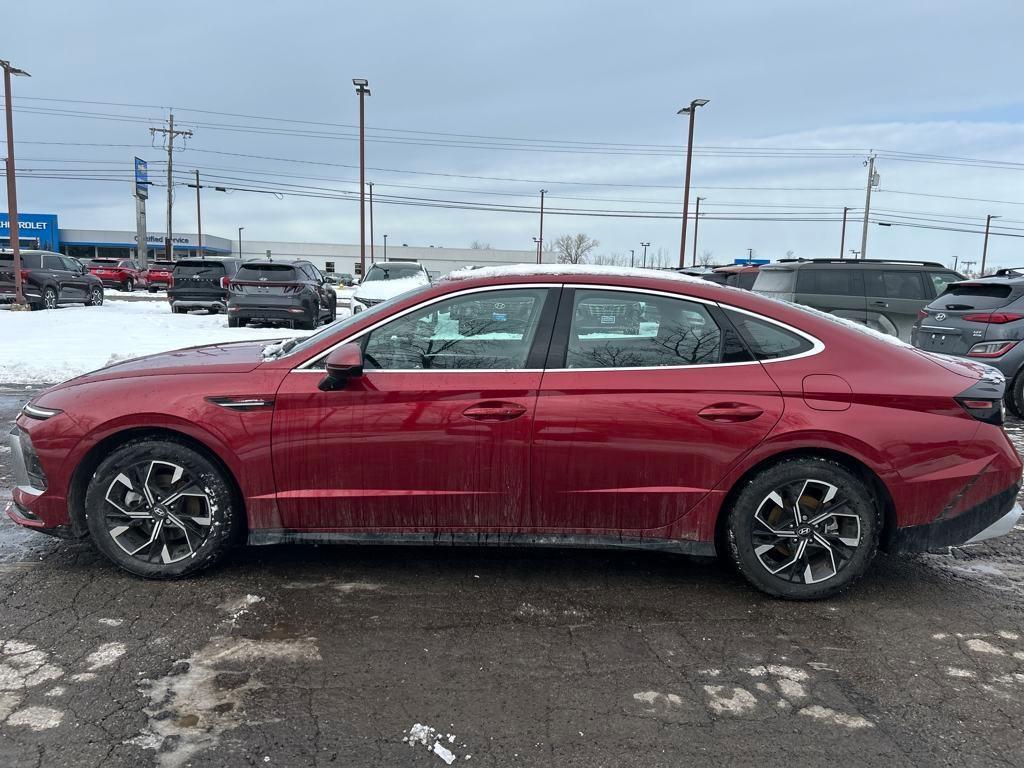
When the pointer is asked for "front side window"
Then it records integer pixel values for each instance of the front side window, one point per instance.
(613, 329)
(489, 330)
(894, 284)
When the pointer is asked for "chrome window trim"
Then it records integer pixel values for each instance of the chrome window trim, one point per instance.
(306, 367)
(817, 346)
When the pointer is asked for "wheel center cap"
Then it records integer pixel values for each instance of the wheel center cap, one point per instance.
(805, 531)
(159, 512)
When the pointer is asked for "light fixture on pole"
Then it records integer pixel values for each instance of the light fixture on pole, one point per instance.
(691, 111)
(12, 192)
(984, 248)
(645, 247)
(363, 89)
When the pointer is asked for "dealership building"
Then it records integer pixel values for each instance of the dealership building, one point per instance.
(42, 230)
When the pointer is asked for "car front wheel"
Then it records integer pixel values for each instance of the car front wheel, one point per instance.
(1014, 397)
(803, 529)
(129, 285)
(95, 298)
(159, 509)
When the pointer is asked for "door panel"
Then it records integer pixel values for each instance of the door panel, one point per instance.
(398, 450)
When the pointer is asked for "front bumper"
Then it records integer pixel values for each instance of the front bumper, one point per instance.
(24, 492)
(995, 516)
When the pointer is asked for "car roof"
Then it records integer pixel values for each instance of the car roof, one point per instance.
(389, 264)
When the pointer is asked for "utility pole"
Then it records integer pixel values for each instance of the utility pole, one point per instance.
(540, 240)
(363, 90)
(171, 135)
(750, 255)
(696, 223)
(12, 191)
(842, 237)
(632, 254)
(856, 253)
(967, 265)
(645, 247)
(691, 111)
(872, 182)
(370, 183)
(240, 241)
(984, 248)
(956, 260)
(385, 247)
(199, 215)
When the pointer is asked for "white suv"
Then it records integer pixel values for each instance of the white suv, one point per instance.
(385, 280)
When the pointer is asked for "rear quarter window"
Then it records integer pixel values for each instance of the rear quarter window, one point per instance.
(766, 340)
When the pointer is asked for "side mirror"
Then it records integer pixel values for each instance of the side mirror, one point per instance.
(344, 363)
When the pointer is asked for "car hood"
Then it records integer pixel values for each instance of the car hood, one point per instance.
(386, 289)
(235, 357)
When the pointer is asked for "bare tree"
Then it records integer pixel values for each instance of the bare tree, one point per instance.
(706, 258)
(574, 249)
(660, 259)
(609, 259)
(476, 245)
(790, 254)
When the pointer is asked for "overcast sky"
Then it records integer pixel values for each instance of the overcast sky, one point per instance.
(557, 88)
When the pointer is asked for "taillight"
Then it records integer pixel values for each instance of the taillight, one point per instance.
(225, 282)
(996, 318)
(921, 314)
(991, 348)
(24, 275)
(989, 411)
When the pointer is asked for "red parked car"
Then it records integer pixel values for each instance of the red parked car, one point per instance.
(721, 422)
(125, 274)
(159, 275)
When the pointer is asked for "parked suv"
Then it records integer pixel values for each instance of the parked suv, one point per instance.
(293, 292)
(981, 320)
(736, 275)
(201, 284)
(125, 274)
(385, 280)
(884, 295)
(49, 279)
(159, 275)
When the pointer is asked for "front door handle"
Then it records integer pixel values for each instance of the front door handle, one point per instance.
(880, 304)
(730, 413)
(494, 411)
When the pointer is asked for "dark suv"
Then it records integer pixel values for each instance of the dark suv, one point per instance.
(981, 320)
(49, 279)
(884, 295)
(201, 284)
(293, 292)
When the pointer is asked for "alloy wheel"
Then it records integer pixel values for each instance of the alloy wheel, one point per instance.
(805, 532)
(157, 512)
(50, 298)
(96, 297)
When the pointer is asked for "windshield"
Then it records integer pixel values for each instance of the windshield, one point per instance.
(292, 346)
(393, 272)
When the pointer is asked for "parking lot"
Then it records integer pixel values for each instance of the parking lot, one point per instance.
(301, 655)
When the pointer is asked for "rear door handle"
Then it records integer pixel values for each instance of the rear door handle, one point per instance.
(730, 413)
(880, 304)
(494, 411)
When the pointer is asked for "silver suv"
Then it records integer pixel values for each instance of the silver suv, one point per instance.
(981, 320)
(884, 295)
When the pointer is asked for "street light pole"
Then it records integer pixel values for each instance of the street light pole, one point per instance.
(696, 224)
(370, 184)
(362, 88)
(842, 237)
(645, 246)
(240, 241)
(691, 111)
(540, 239)
(984, 249)
(632, 253)
(385, 247)
(872, 182)
(12, 191)
(199, 216)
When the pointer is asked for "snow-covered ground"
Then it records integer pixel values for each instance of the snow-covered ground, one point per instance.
(54, 345)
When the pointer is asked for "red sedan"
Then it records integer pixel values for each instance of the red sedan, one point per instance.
(719, 421)
(124, 274)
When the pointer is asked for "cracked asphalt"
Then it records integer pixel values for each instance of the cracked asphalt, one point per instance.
(324, 656)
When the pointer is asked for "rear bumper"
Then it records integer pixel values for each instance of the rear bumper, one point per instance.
(197, 303)
(993, 517)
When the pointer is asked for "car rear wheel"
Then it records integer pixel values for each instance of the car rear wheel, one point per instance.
(159, 509)
(49, 299)
(803, 529)
(237, 322)
(129, 285)
(1014, 397)
(312, 322)
(95, 298)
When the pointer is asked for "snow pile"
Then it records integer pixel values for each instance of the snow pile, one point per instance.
(55, 345)
(425, 736)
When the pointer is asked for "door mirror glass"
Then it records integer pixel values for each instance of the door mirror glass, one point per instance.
(344, 363)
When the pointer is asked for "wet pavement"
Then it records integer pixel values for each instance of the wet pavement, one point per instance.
(358, 656)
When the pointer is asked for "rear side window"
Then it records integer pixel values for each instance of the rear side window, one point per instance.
(829, 282)
(975, 296)
(775, 280)
(51, 261)
(613, 329)
(28, 260)
(767, 340)
(270, 272)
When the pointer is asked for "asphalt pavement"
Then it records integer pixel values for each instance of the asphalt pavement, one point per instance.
(388, 656)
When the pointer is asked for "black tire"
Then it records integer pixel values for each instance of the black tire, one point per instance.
(763, 536)
(312, 321)
(177, 310)
(152, 289)
(237, 322)
(95, 297)
(122, 518)
(129, 285)
(50, 298)
(1014, 397)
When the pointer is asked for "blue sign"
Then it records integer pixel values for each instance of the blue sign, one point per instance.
(141, 178)
(37, 230)
(751, 262)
